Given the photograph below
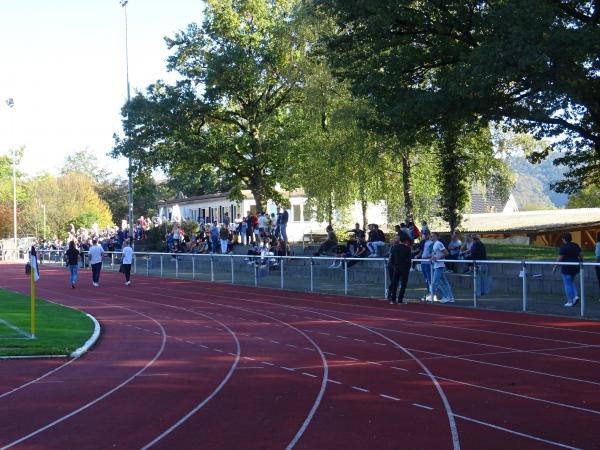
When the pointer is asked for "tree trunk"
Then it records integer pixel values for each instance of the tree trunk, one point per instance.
(363, 206)
(407, 186)
(455, 191)
(257, 189)
(330, 210)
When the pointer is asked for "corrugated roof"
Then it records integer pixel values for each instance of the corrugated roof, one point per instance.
(528, 221)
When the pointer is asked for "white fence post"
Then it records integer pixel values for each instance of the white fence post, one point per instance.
(582, 289)
(524, 272)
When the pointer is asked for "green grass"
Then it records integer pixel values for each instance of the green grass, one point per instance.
(520, 252)
(59, 330)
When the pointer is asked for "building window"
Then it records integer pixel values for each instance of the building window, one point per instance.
(296, 213)
(308, 214)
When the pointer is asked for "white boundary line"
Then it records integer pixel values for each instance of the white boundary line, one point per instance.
(508, 430)
(103, 396)
(91, 341)
(15, 328)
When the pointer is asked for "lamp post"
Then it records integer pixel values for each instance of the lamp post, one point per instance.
(11, 104)
(129, 171)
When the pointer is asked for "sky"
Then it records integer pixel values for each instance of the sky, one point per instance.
(63, 63)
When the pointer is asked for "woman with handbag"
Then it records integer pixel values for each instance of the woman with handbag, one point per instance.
(127, 261)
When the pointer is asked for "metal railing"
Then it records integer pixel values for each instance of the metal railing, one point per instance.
(524, 285)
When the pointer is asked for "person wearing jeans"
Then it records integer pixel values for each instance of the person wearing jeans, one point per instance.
(440, 280)
(72, 255)
(425, 247)
(597, 253)
(569, 252)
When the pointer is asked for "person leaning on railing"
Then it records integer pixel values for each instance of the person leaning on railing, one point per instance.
(597, 253)
(569, 252)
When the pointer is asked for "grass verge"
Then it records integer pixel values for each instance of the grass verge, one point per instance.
(520, 252)
(59, 330)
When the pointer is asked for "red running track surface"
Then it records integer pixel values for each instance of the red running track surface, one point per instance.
(193, 365)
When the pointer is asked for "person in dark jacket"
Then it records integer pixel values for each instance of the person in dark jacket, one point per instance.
(330, 243)
(72, 256)
(399, 267)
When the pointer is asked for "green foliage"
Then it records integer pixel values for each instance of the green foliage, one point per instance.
(245, 56)
(190, 227)
(588, 197)
(532, 63)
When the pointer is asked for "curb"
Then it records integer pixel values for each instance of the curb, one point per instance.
(91, 341)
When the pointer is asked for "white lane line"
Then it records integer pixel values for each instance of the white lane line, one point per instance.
(249, 358)
(29, 383)
(514, 394)
(309, 374)
(359, 340)
(289, 369)
(324, 334)
(352, 358)
(418, 405)
(218, 350)
(329, 353)
(341, 337)
(374, 363)
(356, 388)
(389, 397)
(379, 343)
(199, 406)
(275, 342)
(231, 354)
(399, 368)
(334, 381)
(189, 342)
(267, 363)
(291, 345)
(202, 345)
(508, 430)
(308, 348)
(103, 396)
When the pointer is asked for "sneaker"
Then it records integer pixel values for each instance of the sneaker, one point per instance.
(435, 299)
(401, 302)
(73, 285)
(127, 283)
(332, 266)
(392, 302)
(444, 300)
(95, 284)
(575, 301)
(569, 304)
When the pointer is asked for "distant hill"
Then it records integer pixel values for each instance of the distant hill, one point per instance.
(532, 187)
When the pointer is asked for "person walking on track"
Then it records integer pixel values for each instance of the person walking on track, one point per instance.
(127, 261)
(399, 268)
(72, 257)
(96, 253)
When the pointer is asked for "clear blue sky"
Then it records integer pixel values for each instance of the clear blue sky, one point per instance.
(63, 62)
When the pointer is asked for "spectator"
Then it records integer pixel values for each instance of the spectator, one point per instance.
(569, 252)
(330, 243)
(356, 234)
(214, 237)
(597, 253)
(96, 253)
(399, 267)
(361, 250)
(454, 247)
(440, 281)
(224, 237)
(263, 223)
(226, 219)
(425, 228)
(424, 253)
(376, 240)
(414, 232)
(283, 221)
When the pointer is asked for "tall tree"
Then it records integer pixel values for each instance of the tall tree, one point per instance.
(532, 62)
(240, 72)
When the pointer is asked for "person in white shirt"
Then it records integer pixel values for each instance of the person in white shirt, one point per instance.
(127, 261)
(440, 281)
(96, 253)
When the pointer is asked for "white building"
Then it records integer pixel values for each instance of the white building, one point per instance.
(301, 220)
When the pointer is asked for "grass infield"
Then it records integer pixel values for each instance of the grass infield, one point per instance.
(59, 330)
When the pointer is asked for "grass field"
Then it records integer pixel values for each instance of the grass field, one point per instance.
(520, 252)
(59, 330)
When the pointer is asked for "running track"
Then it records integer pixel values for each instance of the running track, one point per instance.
(192, 365)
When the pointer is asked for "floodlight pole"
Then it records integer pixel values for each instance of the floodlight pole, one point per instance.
(11, 104)
(129, 170)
